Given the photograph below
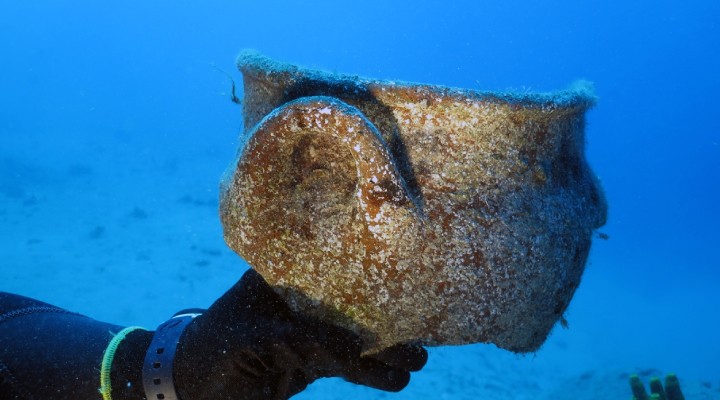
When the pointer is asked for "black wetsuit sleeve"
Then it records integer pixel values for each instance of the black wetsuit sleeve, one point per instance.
(49, 353)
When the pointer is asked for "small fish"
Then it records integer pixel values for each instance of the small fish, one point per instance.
(233, 96)
(564, 322)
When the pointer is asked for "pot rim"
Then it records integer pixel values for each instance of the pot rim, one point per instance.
(578, 95)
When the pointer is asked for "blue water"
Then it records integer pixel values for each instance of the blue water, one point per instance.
(115, 126)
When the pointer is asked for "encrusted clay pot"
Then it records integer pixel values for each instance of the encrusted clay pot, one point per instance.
(413, 213)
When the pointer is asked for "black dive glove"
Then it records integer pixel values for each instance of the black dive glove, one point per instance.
(250, 345)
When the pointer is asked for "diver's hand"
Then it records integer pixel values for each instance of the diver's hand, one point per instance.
(250, 345)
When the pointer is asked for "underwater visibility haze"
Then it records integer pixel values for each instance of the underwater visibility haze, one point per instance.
(117, 122)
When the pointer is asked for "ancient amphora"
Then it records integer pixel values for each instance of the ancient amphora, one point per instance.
(413, 213)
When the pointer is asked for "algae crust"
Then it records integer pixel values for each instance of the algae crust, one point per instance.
(413, 213)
